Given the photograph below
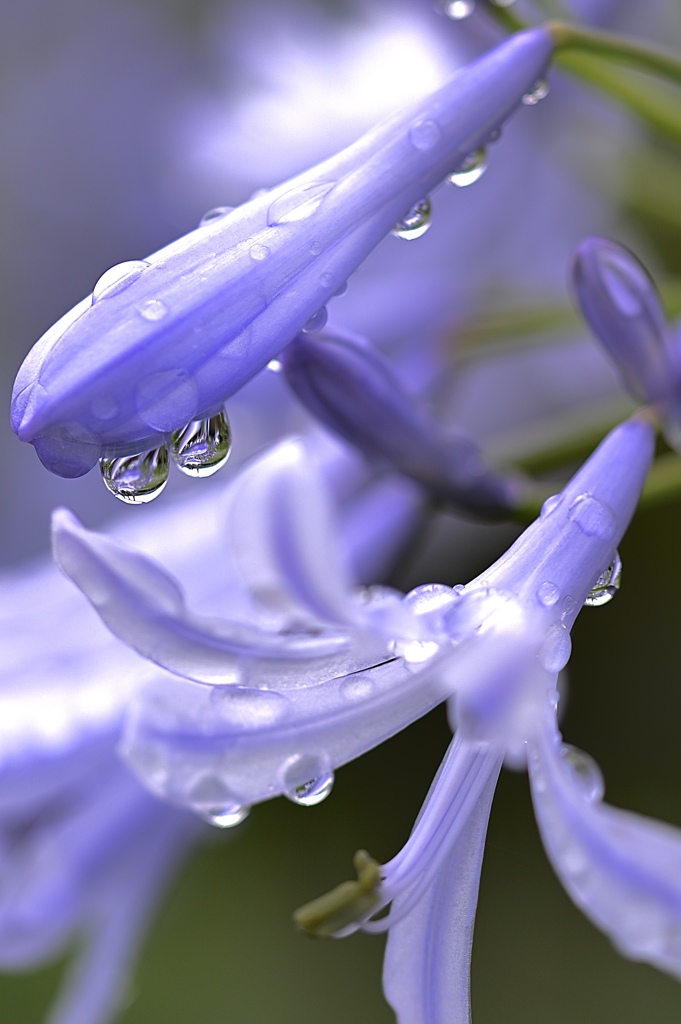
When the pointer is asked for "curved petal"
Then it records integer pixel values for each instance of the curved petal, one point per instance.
(621, 869)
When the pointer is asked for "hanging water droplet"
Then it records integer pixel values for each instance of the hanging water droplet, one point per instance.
(593, 517)
(459, 9)
(299, 203)
(312, 792)
(136, 479)
(153, 309)
(538, 93)
(470, 169)
(585, 771)
(341, 290)
(425, 134)
(555, 651)
(225, 817)
(317, 322)
(275, 365)
(607, 584)
(203, 446)
(548, 594)
(118, 278)
(355, 688)
(217, 213)
(415, 222)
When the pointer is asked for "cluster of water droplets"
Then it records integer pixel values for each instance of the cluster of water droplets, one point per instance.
(199, 449)
(537, 93)
(415, 222)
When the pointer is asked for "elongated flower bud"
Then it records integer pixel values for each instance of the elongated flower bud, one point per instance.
(162, 342)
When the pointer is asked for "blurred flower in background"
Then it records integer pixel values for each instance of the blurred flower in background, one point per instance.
(122, 124)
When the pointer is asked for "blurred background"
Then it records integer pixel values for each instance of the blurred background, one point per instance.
(121, 122)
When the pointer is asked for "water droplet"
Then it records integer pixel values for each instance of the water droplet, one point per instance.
(316, 247)
(136, 479)
(470, 169)
(555, 651)
(217, 213)
(425, 134)
(307, 779)
(415, 652)
(459, 9)
(593, 517)
(607, 584)
(243, 707)
(538, 93)
(341, 290)
(118, 278)
(550, 505)
(258, 252)
(153, 309)
(203, 446)
(275, 365)
(569, 606)
(317, 322)
(299, 203)
(211, 798)
(585, 771)
(356, 688)
(494, 136)
(548, 593)
(415, 222)
(104, 407)
(429, 598)
(312, 792)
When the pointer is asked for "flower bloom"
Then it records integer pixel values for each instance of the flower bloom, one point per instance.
(192, 323)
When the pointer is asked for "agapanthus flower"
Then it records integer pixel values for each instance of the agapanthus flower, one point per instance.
(195, 321)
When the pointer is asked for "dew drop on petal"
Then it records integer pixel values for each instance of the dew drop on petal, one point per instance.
(212, 800)
(550, 505)
(585, 771)
(299, 203)
(457, 10)
(593, 517)
(317, 322)
(429, 598)
(607, 584)
(548, 593)
(555, 651)
(538, 93)
(415, 652)
(470, 169)
(415, 222)
(356, 688)
(307, 779)
(118, 278)
(217, 213)
(153, 309)
(258, 252)
(136, 479)
(569, 606)
(226, 817)
(203, 446)
(341, 290)
(275, 365)
(425, 134)
(316, 247)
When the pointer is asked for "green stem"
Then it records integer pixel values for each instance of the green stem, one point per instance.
(614, 47)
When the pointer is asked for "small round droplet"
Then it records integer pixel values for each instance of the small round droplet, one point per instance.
(593, 517)
(203, 446)
(153, 309)
(212, 800)
(556, 649)
(355, 688)
(550, 505)
(415, 222)
(457, 10)
(217, 213)
(258, 252)
(341, 290)
(569, 606)
(136, 479)
(226, 817)
(317, 322)
(118, 278)
(415, 652)
(299, 203)
(470, 169)
(548, 594)
(275, 365)
(607, 584)
(585, 771)
(425, 134)
(315, 247)
(312, 792)
(538, 93)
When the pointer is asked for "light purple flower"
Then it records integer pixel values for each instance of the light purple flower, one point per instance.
(193, 322)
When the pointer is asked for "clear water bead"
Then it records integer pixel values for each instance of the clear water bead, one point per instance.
(258, 252)
(299, 203)
(607, 584)
(212, 800)
(538, 93)
(548, 594)
(585, 771)
(136, 479)
(118, 278)
(556, 649)
(317, 322)
(217, 213)
(226, 817)
(457, 10)
(425, 134)
(470, 170)
(593, 517)
(153, 309)
(312, 792)
(203, 446)
(415, 222)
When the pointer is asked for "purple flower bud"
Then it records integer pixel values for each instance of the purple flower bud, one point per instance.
(164, 341)
(351, 388)
(621, 305)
